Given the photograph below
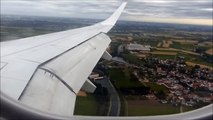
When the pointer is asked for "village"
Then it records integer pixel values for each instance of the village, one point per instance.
(186, 85)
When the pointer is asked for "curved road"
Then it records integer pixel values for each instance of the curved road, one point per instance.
(114, 107)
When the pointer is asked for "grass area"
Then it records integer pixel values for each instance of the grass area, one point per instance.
(155, 50)
(152, 43)
(177, 45)
(122, 79)
(132, 59)
(201, 65)
(86, 105)
(186, 108)
(174, 50)
(202, 62)
(124, 106)
(163, 53)
(10, 33)
(146, 41)
(209, 51)
(203, 48)
(163, 57)
(188, 57)
(149, 42)
(150, 107)
(199, 60)
(156, 87)
(195, 59)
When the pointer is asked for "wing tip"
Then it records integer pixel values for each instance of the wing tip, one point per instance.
(114, 17)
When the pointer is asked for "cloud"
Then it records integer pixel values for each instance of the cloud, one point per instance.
(187, 9)
(169, 8)
(171, 20)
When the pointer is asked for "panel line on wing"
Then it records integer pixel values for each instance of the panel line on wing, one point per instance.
(30, 60)
(3, 64)
(68, 50)
(59, 78)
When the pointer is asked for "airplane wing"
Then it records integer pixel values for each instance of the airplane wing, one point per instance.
(46, 71)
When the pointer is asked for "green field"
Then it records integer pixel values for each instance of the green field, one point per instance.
(186, 109)
(132, 59)
(164, 57)
(148, 107)
(86, 105)
(188, 57)
(9, 33)
(155, 50)
(123, 79)
(149, 42)
(124, 105)
(139, 107)
(156, 87)
(177, 45)
(195, 59)
(202, 62)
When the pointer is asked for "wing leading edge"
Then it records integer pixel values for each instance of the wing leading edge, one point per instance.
(46, 71)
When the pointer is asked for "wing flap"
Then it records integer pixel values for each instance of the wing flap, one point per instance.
(72, 67)
(80, 60)
(48, 94)
(15, 76)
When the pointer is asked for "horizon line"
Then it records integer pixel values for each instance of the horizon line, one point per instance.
(142, 19)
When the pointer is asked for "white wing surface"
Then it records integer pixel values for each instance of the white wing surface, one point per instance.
(46, 71)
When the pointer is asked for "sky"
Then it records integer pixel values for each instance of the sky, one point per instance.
(165, 11)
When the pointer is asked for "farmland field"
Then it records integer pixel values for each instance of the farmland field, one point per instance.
(210, 51)
(202, 66)
(150, 107)
(86, 105)
(122, 78)
(163, 53)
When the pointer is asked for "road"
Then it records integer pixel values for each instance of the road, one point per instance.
(181, 108)
(114, 107)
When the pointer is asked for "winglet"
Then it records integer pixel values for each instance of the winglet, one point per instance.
(114, 17)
